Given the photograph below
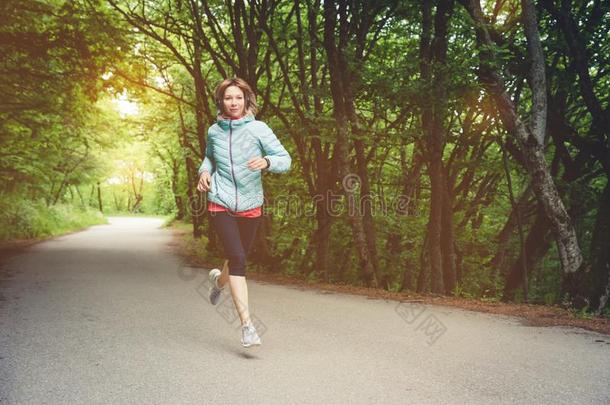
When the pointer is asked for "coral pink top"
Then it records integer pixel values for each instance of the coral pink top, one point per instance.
(252, 213)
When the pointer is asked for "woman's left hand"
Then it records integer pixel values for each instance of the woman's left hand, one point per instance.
(257, 163)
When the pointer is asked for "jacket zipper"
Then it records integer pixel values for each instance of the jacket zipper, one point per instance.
(231, 158)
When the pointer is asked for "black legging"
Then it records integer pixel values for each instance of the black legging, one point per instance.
(236, 235)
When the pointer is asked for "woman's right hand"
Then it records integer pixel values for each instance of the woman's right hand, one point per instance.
(204, 182)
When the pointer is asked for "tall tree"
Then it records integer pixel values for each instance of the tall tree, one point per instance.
(433, 53)
(529, 138)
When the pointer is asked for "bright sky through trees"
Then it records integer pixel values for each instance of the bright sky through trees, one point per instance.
(125, 106)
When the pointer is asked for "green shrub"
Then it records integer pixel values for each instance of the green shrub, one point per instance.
(23, 219)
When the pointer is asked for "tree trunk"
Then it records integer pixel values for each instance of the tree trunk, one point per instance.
(434, 227)
(322, 238)
(342, 105)
(99, 197)
(542, 181)
(196, 203)
(366, 205)
(433, 52)
(503, 238)
(536, 245)
(80, 197)
(600, 256)
(174, 184)
(423, 278)
(447, 240)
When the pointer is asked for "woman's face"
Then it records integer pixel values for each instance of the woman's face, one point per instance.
(233, 102)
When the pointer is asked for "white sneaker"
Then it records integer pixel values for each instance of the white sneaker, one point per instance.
(249, 337)
(214, 289)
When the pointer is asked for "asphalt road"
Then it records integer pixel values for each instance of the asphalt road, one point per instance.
(111, 316)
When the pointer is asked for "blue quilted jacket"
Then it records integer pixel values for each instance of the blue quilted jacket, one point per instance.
(230, 144)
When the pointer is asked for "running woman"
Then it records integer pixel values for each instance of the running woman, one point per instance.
(239, 148)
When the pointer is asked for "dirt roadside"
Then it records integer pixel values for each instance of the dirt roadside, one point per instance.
(531, 315)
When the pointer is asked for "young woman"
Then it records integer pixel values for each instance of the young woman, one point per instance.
(238, 148)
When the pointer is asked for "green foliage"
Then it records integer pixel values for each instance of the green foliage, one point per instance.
(581, 313)
(23, 219)
(459, 291)
(54, 56)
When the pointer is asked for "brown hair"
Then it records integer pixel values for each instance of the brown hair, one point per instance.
(249, 97)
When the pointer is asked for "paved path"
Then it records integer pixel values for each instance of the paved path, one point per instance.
(111, 316)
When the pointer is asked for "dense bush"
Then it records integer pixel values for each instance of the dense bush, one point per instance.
(23, 219)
